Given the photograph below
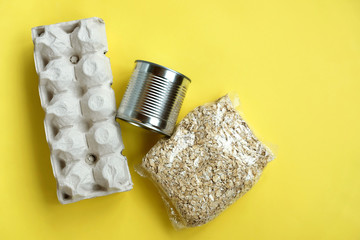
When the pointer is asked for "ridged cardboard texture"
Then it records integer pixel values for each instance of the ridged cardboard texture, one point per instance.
(75, 93)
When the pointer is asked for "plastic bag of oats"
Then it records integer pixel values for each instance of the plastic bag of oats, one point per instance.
(211, 160)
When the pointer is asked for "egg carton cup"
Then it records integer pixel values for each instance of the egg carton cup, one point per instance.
(75, 91)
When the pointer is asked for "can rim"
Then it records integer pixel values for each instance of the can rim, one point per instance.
(161, 66)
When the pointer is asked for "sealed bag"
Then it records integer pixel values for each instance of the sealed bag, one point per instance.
(212, 159)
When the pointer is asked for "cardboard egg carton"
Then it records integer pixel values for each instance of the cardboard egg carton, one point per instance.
(83, 136)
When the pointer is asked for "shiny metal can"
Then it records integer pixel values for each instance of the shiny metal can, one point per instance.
(153, 97)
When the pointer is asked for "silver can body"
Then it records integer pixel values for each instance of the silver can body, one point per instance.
(153, 97)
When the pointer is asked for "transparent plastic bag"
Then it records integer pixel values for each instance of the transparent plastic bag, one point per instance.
(211, 160)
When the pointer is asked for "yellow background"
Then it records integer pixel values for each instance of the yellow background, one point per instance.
(296, 67)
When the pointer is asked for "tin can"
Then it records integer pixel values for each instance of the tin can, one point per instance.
(153, 97)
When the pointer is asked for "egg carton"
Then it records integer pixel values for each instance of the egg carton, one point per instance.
(76, 95)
